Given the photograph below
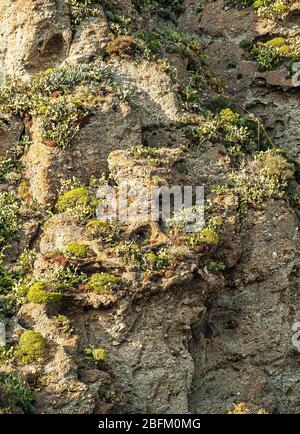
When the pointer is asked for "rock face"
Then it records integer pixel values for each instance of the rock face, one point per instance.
(34, 36)
(269, 94)
(142, 316)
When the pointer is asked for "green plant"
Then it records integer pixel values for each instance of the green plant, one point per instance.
(207, 235)
(10, 170)
(61, 119)
(61, 98)
(15, 393)
(144, 152)
(107, 232)
(77, 250)
(96, 354)
(156, 261)
(82, 9)
(41, 292)
(266, 176)
(63, 323)
(26, 261)
(31, 347)
(143, 260)
(102, 282)
(274, 9)
(79, 201)
(10, 220)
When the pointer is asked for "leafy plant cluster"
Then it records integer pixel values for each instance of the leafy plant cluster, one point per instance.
(240, 134)
(106, 232)
(95, 354)
(10, 170)
(185, 227)
(62, 99)
(273, 9)
(142, 260)
(10, 220)
(267, 176)
(164, 8)
(275, 52)
(82, 9)
(15, 393)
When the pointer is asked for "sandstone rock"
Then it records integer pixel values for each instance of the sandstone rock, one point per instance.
(34, 35)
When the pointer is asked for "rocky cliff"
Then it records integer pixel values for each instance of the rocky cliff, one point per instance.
(107, 316)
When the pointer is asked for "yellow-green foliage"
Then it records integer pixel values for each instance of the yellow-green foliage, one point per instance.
(38, 293)
(31, 347)
(228, 116)
(96, 354)
(241, 408)
(274, 52)
(101, 282)
(275, 9)
(106, 232)
(267, 176)
(272, 163)
(77, 250)
(97, 227)
(206, 235)
(73, 198)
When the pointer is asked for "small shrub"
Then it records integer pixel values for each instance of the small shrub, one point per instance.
(274, 9)
(60, 120)
(107, 232)
(31, 347)
(206, 235)
(15, 393)
(102, 282)
(10, 170)
(77, 250)
(63, 323)
(10, 219)
(96, 354)
(121, 46)
(39, 293)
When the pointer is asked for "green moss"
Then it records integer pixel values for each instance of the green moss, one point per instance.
(102, 282)
(98, 227)
(79, 201)
(15, 393)
(31, 347)
(96, 354)
(38, 293)
(77, 250)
